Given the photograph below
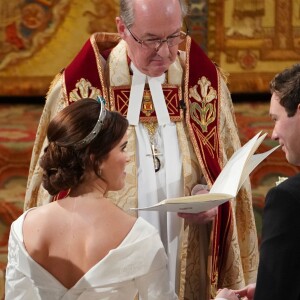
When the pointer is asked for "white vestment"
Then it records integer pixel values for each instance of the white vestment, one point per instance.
(167, 182)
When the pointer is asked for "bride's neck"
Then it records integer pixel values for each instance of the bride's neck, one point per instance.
(98, 187)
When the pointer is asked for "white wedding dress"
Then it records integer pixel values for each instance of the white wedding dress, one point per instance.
(137, 265)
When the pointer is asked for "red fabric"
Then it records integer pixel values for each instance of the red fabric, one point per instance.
(61, 195)
(84, 65)
(105, 53)
(120, 100)
(200, 65)
(206, 144)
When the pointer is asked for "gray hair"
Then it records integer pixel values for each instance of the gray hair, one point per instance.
(286, 85)
(127, 12)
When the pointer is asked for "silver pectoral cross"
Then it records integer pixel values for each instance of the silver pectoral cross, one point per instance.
(156, 160)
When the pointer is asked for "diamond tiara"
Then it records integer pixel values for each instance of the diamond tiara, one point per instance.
(82, 143)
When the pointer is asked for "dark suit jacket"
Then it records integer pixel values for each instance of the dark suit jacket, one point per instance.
(279, 267)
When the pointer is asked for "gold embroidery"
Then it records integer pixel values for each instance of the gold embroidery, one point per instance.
(147, 104)
(152, 131)
(203, 112)
(84, 89)
(152, 128)
(119, 99)
(209, 140)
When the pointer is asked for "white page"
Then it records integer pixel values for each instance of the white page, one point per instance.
(229, 178)
(253, 162)
(226, 186)
(189, 204)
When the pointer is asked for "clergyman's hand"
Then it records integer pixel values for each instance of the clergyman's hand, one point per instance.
(202, 217)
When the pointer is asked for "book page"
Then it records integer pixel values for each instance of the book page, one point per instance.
(189, 204)
(226, 186)
(228, 181)
(253, 162)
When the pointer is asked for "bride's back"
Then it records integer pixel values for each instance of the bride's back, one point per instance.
(69, 237)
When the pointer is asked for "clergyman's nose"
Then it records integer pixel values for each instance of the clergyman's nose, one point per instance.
(163, 49)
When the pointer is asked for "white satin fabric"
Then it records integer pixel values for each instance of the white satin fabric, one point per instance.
(139, 264)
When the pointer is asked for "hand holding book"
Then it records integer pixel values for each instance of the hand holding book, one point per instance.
(227, 184)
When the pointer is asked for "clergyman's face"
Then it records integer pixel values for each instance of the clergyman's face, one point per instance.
(286, 130)
(153, 20)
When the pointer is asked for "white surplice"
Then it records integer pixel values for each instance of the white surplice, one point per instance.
(167, 182)
(137, 265)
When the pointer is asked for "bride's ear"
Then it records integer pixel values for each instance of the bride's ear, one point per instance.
(298, 110)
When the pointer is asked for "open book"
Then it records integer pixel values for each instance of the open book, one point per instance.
(227, 184)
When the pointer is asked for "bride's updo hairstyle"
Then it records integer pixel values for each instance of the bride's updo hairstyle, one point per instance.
(80, 137)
